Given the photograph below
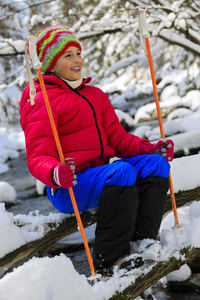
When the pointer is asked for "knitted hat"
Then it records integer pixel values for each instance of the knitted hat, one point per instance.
(52, 43)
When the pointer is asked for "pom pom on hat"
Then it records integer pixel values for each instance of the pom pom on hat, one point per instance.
(52, 43)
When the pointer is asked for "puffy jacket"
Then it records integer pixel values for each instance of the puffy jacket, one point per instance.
(88, 127)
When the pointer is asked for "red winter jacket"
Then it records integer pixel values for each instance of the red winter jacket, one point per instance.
(87, 124)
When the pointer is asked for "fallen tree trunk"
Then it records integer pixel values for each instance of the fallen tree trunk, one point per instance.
(55, 233)
(182, 198)
(68, 226)
(158, 271)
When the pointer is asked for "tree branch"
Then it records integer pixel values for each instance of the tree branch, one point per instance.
(177, 39)
(22, 9)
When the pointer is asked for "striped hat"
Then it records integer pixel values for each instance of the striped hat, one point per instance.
(52, 43)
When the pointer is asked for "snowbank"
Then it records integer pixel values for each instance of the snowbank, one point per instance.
(180, 275)
(188, 121)
(11, 235)
(12, 140)
(35, 227)
(55, 278)
(185, 173)
(7, 192)
(45, 279)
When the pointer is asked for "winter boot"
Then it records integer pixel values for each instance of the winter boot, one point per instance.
(152, 197)
(115, 225)
(129, 263)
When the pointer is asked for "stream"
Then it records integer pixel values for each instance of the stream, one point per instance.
(28, 200)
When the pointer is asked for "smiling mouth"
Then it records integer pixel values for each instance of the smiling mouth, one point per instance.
(76, 69)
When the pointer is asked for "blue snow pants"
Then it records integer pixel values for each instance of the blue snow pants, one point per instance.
(92, 182)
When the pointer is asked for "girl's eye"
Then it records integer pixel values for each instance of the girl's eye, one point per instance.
(68, 55)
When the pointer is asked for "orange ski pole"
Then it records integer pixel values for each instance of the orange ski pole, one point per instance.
(145, 34)
(37, 65)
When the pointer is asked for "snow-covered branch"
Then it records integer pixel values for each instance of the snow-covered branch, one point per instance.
(10, 47)
(11, 14)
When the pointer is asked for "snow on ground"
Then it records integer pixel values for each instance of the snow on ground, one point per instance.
(180, 275)
(56, 278)
(36, 227)
(185, 172)
(11, 141)
(180, 120)
(11, 235)
(7, 192)
(46, 278)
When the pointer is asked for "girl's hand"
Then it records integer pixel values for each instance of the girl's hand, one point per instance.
(165, 148)
(64, 175)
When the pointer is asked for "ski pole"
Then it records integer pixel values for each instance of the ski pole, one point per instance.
(144, 35)
(37, 65)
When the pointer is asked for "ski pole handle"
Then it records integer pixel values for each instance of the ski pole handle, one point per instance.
(33, 52)
(143, 22)
(164, 145)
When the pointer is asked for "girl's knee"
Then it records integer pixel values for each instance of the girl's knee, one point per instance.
(123, 175)
(160, 165)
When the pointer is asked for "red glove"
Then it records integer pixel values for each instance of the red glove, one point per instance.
(63, 175)
(162, 147)
(165, 148)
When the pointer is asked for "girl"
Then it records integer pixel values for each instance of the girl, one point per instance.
(130, 193)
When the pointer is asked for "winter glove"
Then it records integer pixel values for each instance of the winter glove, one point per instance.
(165, 148)
(63, 175)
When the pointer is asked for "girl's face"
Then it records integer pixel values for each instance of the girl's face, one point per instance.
(69, 65)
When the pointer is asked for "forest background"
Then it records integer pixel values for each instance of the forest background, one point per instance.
(108, 31)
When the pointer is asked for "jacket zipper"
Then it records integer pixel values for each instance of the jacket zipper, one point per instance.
(95, 119)
(94, 114)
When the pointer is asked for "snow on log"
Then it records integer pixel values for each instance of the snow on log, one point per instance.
(157, 271)
(149, 274)
(55, 232)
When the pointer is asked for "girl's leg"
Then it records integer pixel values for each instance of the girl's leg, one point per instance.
(114, 185)
(153, 184)
(149, 165)
(91, 184)
(115, 225)
(152, 195)
(93, 181)
(117, 180)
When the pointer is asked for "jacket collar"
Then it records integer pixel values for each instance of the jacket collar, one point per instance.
(54, 81)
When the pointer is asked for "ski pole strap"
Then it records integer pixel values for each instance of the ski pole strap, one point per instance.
(36, 64)
(33, 52)
(30, 77)
(143, 27)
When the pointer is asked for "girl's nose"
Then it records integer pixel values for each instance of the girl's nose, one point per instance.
(77, 58)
